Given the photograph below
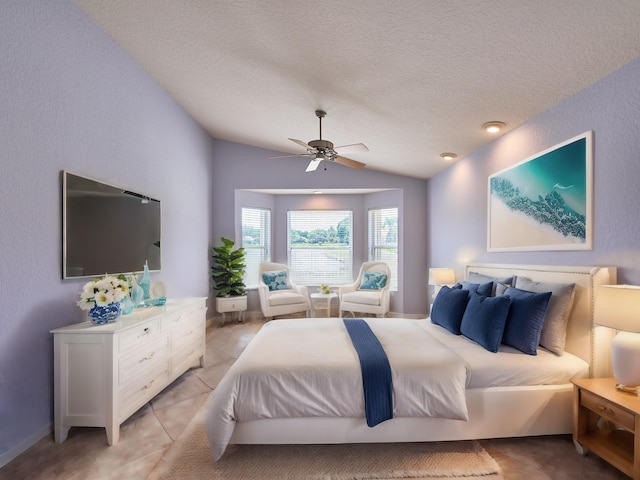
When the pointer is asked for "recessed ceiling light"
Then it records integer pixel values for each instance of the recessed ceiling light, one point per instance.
(317, 192)
(493, 127)
(448, 156)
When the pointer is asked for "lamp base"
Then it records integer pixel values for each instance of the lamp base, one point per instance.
(625, 358)
(631, 390)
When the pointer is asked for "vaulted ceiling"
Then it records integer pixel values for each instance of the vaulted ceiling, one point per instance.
(409, 78)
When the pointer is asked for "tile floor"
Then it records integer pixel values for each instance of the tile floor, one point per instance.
(145, 436)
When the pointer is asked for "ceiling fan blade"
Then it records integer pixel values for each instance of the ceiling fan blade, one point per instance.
(301, 143)
(356, 147)
(313, 165)
(347, 162)
(294, 155)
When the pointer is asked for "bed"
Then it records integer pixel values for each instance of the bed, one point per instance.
(502, 394)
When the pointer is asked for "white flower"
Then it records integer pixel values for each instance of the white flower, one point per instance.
(103, 291)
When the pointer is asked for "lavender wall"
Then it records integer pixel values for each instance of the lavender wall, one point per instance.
(71, 99)
(457, 199)
(239, 166)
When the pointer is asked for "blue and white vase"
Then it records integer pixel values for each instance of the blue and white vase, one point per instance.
(107, 314)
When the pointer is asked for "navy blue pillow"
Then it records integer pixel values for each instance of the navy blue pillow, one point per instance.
(483, 289)
(484, 320)
(448, 308)
(526, 317)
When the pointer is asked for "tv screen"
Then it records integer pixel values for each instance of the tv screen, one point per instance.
(107, 229)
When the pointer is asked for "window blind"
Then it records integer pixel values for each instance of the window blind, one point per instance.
(383, 239)
(319, 246)
(256, 241)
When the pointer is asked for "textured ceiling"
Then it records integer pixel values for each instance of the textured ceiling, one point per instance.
(408, 78)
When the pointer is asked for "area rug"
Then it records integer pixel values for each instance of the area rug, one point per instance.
(190, 458)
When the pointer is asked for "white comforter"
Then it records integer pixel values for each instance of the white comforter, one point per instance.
(309, 368)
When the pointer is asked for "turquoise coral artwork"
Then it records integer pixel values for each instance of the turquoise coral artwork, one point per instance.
(543, 202)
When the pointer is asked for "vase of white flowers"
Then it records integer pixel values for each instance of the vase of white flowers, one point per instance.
(102, 298)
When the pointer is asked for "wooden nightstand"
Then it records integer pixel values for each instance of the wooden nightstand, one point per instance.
(607, 422)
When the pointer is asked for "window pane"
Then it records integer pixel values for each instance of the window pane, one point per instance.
(256, 241)
(383, 239)
(319, 245)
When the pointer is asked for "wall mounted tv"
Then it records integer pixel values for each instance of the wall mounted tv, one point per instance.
(107, 229)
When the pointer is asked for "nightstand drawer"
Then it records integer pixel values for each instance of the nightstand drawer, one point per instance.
(608, 410)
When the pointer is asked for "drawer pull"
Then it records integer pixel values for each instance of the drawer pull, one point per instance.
(605, 409)
(147, 358)
(147, 386)
(146, 331)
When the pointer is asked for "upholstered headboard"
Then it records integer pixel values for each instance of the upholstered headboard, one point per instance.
(590, 343)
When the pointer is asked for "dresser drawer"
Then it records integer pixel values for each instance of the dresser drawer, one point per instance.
(133, 364)
(178, 319)
(137, 392)
(187, 355)
(134, 337)
(193, 328)
(607, 410)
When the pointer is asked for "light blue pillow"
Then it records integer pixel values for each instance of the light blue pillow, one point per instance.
(525, 320)
(276, 280)
(448, 308)
(484, 320)
(373, 281)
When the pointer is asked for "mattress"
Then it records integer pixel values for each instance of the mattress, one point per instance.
(509, 367)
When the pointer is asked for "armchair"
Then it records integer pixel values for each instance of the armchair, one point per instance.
(370, 296)
(280, 296)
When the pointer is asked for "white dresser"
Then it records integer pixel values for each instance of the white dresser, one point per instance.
(104, 373)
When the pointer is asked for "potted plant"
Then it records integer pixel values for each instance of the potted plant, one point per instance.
(227, 270)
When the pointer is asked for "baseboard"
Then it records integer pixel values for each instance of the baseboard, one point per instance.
(12, 453)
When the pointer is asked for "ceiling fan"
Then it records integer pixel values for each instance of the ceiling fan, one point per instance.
(319, 150)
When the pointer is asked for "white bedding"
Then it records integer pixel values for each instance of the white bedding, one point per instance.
(509, 367)
(309, 368)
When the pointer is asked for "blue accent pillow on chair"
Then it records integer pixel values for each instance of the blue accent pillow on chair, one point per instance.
(484, 320)
(276, 280)
(526, 317)
(373, 281)
(448, 308)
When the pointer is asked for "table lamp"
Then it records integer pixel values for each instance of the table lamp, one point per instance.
(618, 307)
(439, 277)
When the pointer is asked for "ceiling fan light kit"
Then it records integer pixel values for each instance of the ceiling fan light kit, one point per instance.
(320, 150)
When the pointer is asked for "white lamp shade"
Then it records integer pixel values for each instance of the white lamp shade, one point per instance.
(618, 306)
(442, 276)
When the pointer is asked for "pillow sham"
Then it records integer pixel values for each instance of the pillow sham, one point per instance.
(276, 280)
(484, 320)
(373, 281)
(497, 282)
(554, 328)
(483, 289)
(525, 320)
(448, 308)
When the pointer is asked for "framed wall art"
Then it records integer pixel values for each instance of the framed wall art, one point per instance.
(545, 201)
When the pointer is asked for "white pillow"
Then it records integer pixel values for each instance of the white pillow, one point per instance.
(554, 329)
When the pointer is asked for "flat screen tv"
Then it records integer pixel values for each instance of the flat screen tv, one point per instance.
(107, 229)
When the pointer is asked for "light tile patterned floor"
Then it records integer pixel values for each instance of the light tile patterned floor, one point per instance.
(145, 436)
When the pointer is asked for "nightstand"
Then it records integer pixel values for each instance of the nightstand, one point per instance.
(231, 304)
(607, 422)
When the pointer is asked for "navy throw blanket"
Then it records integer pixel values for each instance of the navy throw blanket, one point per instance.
(376, 372)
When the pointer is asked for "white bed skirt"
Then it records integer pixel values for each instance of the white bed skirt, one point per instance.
(497, 412)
